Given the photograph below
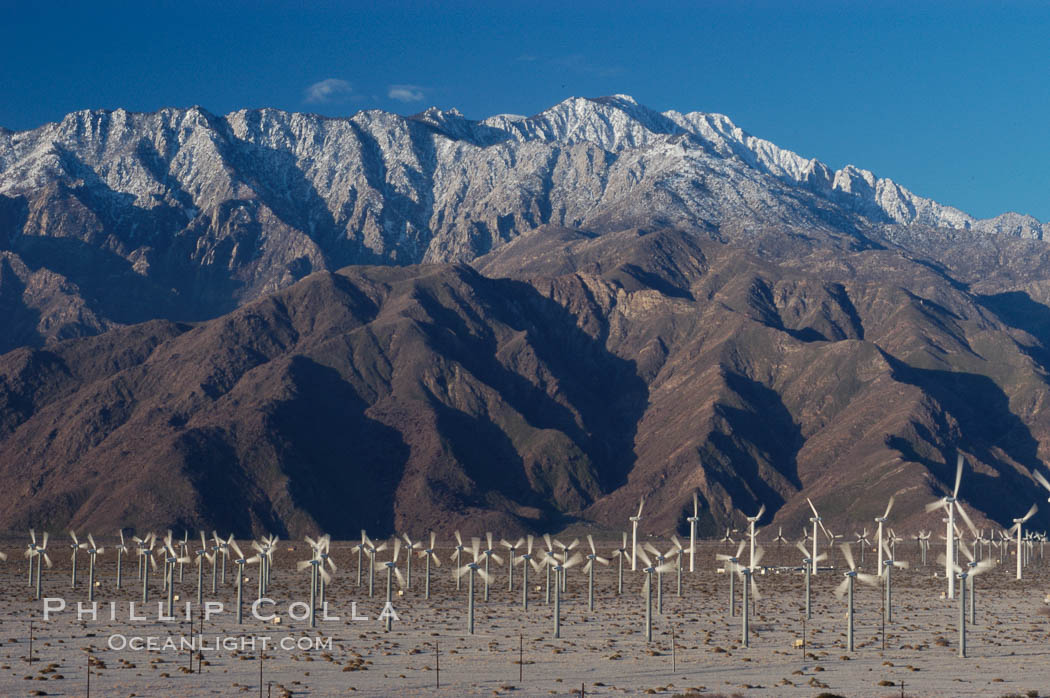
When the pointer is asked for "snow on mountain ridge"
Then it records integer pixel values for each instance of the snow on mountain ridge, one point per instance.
(434, 186)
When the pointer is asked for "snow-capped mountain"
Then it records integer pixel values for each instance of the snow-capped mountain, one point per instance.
(201, 212)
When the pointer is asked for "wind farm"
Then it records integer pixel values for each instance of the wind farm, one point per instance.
(784, 630)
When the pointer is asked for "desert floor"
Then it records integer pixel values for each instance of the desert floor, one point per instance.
(605, 652)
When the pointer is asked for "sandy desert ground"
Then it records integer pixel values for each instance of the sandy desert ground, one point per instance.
(605, 652)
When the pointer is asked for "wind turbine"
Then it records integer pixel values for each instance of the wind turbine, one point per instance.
(889, 563)
(511, 549)
(780, 539)
(224, 549)
(170, 560)
(949, 504)
(240, 561)
(847, 585)
(734, 560)
(863, 542)
(122, 550)
(747, 581)
(490, 554)
(634, 534)
(881, 520)
(968, 574)
(92, 551)
(322, 546)
(526, 560)
(75, 545)
(30, 553)
(589, 569)
(661, 562)
(679, 554)
(430, 554)
(620, 553)
(751, 521)
(360, 548)
(457, 557)
(649, 570)
(392, 570)
(410, 546)
(807, 568)
(371, 548)
(816, 521)
(560, 564)
(201, 556)
(1018, 525)
(692, 530)
(147, 561)
(471, 568)
(317, 573)
(565, 555)
(40, 552)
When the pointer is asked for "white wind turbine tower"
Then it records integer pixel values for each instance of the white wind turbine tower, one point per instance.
(30, 553)
(949, 504)
(547, 555)
(1018, 525)
(201, 556)
(323, 544)
(560, 564)
(40, 552)
(807, 568)
(410, 547)
(147, 561)
(847, 585)
(171, 558)
(392, 570)
(692, 530)
(526, 560)
(880, 520)
(751, 521)
(511, 549)
(92, 551)
(224, 550)
(457, 558)
(240, 560)
(863, 542)
(317, 573)
(490, 554)
(733, 560)
(471, 568)
(565, 554)
(662, 561)
(679, 554)
(634, 534)
(265, 552)
(371, 548)
(816, 521)
(75, 545)
(184, 545)
(589, 569)
(647, 592)
(122, 550)
(360, 548)
(889, 563)
(215, 548)
(140, 545)
(430, 554)
(747, 582)
(968, 574)
(620, 553)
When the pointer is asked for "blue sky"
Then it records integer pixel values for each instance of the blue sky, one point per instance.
(952, 100)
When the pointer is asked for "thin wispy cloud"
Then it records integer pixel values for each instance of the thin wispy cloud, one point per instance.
(406, 93)
(328, 91)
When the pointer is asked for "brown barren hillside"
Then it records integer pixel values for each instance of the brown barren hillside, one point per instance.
(558, 379)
